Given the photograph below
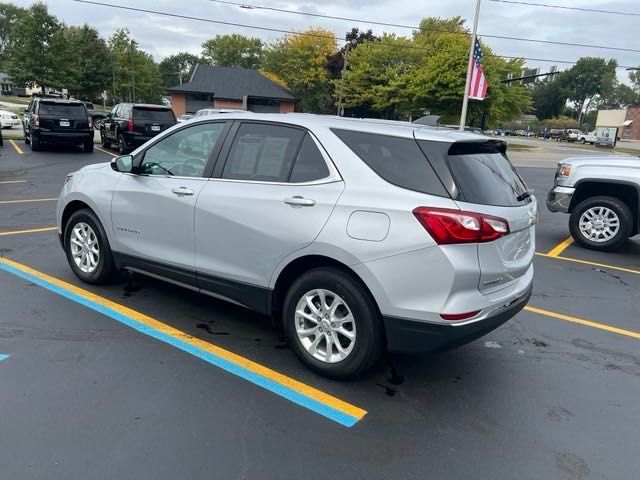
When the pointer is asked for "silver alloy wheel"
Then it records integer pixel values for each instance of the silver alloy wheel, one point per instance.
(85, 249)
(325, 326)
(599, 224)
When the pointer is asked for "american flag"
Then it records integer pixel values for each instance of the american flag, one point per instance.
(478, 86)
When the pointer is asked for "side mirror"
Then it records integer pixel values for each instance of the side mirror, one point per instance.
(123, 164)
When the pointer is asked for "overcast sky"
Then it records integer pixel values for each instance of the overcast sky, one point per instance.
(162, 36)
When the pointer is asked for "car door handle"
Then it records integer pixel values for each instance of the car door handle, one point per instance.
(182, 191)
(299, 201)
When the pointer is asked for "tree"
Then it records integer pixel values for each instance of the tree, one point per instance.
(129, 60)
(233, 50)
(9, 16)
(335, 61)
(301, 61)
(87, 69)
(176, 69)
(588, 78)
(550, 97)
(37, 49)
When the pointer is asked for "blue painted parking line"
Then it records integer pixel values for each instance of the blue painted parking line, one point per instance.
(3, 356)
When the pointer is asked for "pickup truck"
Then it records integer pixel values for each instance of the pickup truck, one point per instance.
(587, 138)
(96, 115)
(602, 196)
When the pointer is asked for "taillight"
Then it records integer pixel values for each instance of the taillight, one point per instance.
(36, 120)
(90, 122)
(448, 226)
(130, 125)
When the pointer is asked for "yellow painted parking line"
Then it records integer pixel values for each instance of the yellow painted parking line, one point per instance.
(31, 230)
(4, 182)
(28, 200)
(561, 247)
(582, 321)
(16, 147)
(304, 395)
(105, 151)
(587, 262)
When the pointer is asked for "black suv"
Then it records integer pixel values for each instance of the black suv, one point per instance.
(56, 121)
(129, 125)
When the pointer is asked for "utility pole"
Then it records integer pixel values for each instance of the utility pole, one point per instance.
(113, 73)
(465, 100)
(344, 69)
(133, 74)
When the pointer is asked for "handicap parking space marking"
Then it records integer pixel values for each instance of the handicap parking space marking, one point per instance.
(27, 200)
(582, 321)
(16, 147)
(3, 356)
(30, 230)
(286, 387)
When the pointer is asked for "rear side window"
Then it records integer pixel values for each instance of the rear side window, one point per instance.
(310, 164)
(159, 115)
(263, 152)
(397, 160)
(484, 175)
(62, 109)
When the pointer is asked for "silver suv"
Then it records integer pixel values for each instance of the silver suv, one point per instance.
(360, 235)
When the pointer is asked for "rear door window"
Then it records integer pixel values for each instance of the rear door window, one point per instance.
(397, 160)
(156, 115)
(262, 152)
(62, 110)
(310, 164)
(484, 175)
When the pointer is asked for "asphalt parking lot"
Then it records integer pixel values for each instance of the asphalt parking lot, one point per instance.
(88, 394)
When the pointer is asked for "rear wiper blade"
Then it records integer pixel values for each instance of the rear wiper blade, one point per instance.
(523, 196)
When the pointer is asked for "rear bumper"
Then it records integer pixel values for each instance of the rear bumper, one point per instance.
(411, 336)
(559, 199)
(64, 137)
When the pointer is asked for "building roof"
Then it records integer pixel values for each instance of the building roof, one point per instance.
(232, 83)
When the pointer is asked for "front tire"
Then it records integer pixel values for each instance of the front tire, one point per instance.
(87, 248)
(601, 223)
(123, 148)
(333, 324)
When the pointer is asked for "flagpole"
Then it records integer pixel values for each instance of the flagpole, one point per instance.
(465, 100)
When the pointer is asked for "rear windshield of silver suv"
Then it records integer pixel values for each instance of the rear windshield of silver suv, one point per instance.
(484, 175)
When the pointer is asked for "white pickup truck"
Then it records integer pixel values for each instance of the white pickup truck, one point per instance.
(602, 195)
(586, 138)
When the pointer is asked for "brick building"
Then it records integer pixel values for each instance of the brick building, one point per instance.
(230, 87)
(627, 121)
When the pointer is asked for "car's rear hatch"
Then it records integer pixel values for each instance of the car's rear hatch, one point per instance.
(62, 117)
(489, 184)
(151, 120)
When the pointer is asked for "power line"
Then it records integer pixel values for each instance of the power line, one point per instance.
(411, 27)
(278, 30)
(563, 7)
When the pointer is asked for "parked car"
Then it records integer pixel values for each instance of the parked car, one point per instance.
(587, 138)
(56, 121)
(185, 117)
(571, 134)
(9, 119)
(556, 134)
(129, 125)
(520, 133)
(97, 115)
(214, 111)
(360, 236)
(601, 194)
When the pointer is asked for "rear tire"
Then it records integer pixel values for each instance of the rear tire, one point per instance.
(27, 140)
(601, 223)
(583, 141)
(123, 148)
(100, 268)
(88, 146)
(35, 143)
(343, 348)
